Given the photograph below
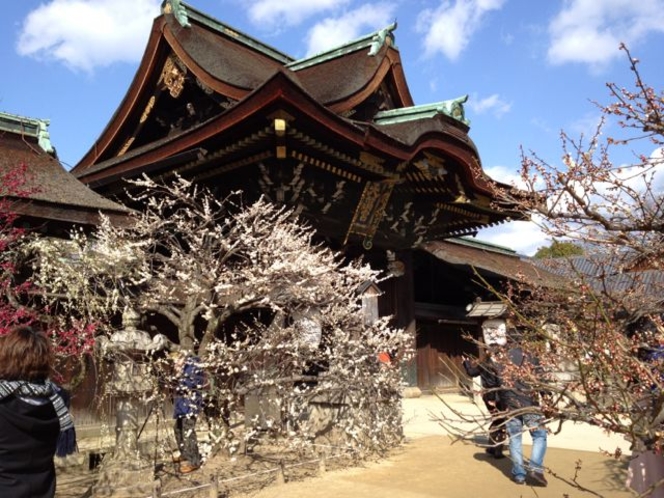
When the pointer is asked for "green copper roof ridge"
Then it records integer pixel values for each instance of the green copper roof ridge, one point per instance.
(452, 108)
(413, 109)
(178, 10)
(184, 11)
(482, 244)
(33, 127)
(374, 41)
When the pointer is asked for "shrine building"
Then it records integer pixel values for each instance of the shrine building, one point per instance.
(338, 138)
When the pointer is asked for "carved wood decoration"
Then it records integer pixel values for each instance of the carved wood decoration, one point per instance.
(172, 76)
(370, 210)
(431, 166)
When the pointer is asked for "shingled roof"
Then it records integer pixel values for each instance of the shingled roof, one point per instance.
(50, 194)
(610, 274)
(335, 136)
(494, 260)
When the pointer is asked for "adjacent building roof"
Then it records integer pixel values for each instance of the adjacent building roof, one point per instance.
(335, 136)
(49, 194)
(493, 260)
(608, 274)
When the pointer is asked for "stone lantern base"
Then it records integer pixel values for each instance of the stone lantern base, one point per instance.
(122, 480)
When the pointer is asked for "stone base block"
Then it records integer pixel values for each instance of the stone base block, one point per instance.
(121, 481)
(411, 392)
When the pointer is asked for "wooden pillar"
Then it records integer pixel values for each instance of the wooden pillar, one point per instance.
(399, 300)
(214, 487)
(406, 312)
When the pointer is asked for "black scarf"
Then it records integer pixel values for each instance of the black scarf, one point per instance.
(67, 438)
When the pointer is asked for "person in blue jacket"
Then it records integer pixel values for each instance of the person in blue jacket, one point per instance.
(188, 403)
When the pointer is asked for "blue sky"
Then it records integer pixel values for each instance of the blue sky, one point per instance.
(530, 67)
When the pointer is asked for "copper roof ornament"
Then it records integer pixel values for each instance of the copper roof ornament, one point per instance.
(176, 8)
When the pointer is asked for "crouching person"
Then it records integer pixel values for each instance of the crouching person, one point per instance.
(188, 403)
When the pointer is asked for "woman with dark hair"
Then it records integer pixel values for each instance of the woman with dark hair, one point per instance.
(34, 420)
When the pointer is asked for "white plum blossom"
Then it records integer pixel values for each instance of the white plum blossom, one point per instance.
(271, 313)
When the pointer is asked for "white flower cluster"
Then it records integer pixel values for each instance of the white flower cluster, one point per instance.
(275, 318)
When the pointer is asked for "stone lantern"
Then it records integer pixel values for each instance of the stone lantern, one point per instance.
(125, 472)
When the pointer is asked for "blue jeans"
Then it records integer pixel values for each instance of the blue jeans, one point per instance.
(515, 428)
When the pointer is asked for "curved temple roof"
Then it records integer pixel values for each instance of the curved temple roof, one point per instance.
(48, 193)
(213, 103)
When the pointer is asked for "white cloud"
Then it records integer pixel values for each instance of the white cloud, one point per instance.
(586, 125)
(493, 104)
(449, 27)
(84, 34)
(291, 12)
(332, 32)
(645, 178)
(525, 237)
(590, 31)
(505, 175)
(657, 161)
(522, 236)
(544, 126)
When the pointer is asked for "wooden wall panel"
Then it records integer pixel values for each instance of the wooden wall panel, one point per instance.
(439, 354)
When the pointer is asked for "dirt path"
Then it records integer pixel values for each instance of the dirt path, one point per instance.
(432, 467)
(426, 465)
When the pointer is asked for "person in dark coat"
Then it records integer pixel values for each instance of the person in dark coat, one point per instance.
(188, 403)
(486, 370)
(523, 413)
(35, 423)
